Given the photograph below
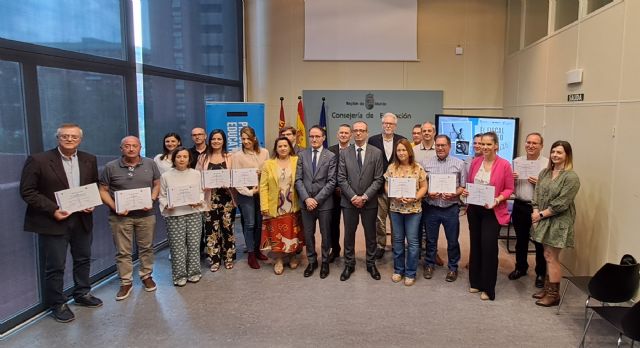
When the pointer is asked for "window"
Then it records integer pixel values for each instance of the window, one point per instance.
(18, 260)
(566, 12)
(593, 5)
(515, 25)
(85, 26)
(536, 19)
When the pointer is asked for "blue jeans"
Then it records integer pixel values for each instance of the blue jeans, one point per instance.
(406, 226)
(450, 220)
(251, 220)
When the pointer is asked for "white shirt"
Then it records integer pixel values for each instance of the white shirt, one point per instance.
(388, 147)
(364, 151)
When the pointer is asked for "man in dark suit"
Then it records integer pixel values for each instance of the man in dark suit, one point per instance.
(360, 179)
(344, 137)
(315, 182)
(291, 134)
(386, 142)
(44, 174)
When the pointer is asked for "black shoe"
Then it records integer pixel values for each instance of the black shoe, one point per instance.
(324, 270)
(308, 272)
(346, 273)
(379, 253)
(539, 281)
(373, 270)
(428, 272)
(517, 274)
(335, 253)
(62, 313)
(88, 300)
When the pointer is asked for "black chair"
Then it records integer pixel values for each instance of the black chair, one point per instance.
(611, 284)
(625, 319)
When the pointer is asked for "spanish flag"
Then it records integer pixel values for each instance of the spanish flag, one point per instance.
(301, 131)
(281, 123)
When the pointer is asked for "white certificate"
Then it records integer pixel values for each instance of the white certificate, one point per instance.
(133, 199)
(216, 178)
(481, 194)
(183, 195)
(244, 177)
(442, 183)
(402, 187)
(526, 169)
(78, 198)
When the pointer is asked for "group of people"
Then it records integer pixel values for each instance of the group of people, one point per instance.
(297, 189)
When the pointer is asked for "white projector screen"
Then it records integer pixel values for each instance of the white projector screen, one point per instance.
(361, 30)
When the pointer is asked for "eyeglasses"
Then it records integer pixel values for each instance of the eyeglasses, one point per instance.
(68, 136)
(197, 135)
(315, 136)
(388, 124)
(359, 130)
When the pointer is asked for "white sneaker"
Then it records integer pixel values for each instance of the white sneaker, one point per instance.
(180, 282)
(195, 278)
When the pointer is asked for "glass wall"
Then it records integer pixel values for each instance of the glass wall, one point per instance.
(536, 19)
(191, 53)
(85, 26)
(566, 12)
(18, 264)
(515, 25)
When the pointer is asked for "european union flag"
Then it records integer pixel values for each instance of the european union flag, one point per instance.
(323, 123)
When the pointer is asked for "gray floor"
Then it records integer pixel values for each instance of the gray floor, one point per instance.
(247, 308)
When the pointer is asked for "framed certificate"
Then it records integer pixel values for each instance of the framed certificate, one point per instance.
(78, 198)
(246, 177)
(442, 183)
(481, 194)
(216, 178)
(134, 199)
(183, 195)
(402, 187)
(526, 169)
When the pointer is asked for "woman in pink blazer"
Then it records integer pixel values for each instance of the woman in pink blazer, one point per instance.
(485, 221)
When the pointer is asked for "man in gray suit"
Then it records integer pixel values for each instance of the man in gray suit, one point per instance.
(315, 182)
(360, 178)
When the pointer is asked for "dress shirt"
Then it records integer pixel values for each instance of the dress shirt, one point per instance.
(71, 168)
(524, 189)
(449, 165)
(421, 153)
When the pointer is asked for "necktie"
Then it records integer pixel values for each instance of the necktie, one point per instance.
(314, 161)
(359, 158)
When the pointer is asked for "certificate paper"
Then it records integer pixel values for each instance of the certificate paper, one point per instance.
(216, 178)
(402, 187)
(442, 183)
(183, 195)
(481, 194)
(526, 169)
(78, 198)
(244, 177)
(133, 199)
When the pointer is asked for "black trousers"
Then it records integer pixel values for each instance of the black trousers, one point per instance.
(351, 217)
(335, 223)
(521, 218)
(309, 218)
(54, 249)
(484, 230)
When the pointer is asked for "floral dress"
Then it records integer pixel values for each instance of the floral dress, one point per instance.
(218, 224)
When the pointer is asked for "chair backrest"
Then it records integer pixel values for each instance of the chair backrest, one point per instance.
(615, 283)
(631, 323)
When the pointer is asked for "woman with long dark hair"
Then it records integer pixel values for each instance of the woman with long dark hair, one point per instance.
(220, 243)
(554, 213)
(169, 143)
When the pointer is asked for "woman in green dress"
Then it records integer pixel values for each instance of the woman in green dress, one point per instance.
(554, 213)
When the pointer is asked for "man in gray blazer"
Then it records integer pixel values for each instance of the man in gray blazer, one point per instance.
(315, 182)
(360, 178)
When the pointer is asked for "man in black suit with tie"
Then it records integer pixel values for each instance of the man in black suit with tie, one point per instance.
(386, 142)
(360, 179)
(315, 182)
(44, 174)
(344, 137)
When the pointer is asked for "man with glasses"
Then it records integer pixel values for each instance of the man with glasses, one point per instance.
(385, 142)
(131, 171)
(199, 138)
(360, 179)
(291, 134)
(522, 209)
(442, 208)
(42, 176)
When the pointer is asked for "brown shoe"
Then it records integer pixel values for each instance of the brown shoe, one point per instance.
(552, 297)
(451, 276)
(124, 292)
(149, 284)
(439, 260)
(540, 294)
(428, 272)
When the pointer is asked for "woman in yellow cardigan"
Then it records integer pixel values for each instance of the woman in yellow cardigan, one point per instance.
(282, 231)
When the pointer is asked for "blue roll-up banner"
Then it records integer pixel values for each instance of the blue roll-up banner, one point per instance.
(231, 117)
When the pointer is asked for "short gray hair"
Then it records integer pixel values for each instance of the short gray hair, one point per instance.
(67, 125)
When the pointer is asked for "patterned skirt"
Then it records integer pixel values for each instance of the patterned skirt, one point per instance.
(282, 234)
